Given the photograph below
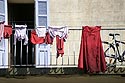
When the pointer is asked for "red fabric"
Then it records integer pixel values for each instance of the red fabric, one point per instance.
(91, 56)
(48, 39)
(7, 31)
(59, 46)
(35, 39)
(40, 40)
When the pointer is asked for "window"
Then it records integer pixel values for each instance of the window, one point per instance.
(41, 13)
(42, 51)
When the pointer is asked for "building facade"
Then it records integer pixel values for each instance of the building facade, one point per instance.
(110, 14)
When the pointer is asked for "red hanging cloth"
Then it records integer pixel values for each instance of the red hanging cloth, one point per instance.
(40, 40)
(91, 56)
(35, 39)
(48, 39)
(59, 46)
(7, 31)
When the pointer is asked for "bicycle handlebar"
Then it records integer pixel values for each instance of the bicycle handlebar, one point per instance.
(113, 35)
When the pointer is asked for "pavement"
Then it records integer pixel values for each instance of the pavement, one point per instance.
(64, 79)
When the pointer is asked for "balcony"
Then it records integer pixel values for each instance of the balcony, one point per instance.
(22, 59)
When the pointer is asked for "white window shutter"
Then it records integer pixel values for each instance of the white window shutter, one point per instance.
(2, 10)
(42, 51)
(4, 42)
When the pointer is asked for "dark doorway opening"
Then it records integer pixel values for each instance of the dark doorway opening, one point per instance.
(21, 14)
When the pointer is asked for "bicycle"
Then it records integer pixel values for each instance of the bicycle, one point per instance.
(113, 56)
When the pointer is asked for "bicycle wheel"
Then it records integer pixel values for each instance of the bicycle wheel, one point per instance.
(121, 58)
(110, 55)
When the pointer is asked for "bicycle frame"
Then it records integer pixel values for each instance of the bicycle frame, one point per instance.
(115, 46)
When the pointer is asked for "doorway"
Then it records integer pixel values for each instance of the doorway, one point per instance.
(21, 14)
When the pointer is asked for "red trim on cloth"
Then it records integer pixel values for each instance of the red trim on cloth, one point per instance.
(48, 39)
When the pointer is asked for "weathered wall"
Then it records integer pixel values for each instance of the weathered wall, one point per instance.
(78, 13)
(87, 12)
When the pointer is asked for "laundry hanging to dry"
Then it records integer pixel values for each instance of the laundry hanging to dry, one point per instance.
(91, 56)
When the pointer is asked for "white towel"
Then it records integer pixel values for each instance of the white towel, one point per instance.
(61, 31)
(41, 32)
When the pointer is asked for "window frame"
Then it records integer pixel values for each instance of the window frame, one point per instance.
(39, 47)
(37, 15)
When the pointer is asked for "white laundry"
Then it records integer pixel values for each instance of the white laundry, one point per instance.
(20, 26)
(61, 31)
(20, 33)
(41, 32)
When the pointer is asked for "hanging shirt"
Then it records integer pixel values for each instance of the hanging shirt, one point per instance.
(7, 31)
(61, 35)
(91, 56)
(1, 30)
(20, 33)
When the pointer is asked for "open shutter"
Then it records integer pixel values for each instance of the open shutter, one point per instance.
(3, 42)
(42, 51)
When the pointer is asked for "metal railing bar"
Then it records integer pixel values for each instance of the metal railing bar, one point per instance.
(21, 53)
(27, 52)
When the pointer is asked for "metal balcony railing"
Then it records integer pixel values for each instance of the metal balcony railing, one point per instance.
(114, 48)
